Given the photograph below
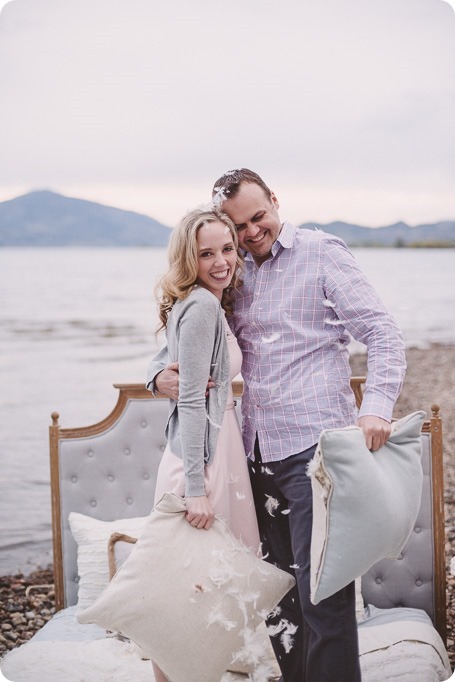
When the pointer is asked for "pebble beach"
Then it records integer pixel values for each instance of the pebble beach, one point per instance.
(27, 602)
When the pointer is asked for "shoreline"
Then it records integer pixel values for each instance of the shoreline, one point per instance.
(28, 600)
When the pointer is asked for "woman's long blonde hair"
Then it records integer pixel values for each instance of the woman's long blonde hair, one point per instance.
(177, 283)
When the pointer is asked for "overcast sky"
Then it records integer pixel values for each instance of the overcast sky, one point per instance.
(345, 107)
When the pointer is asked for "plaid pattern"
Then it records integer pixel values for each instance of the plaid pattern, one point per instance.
(293, 319)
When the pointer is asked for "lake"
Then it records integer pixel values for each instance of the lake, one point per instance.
(75, 321)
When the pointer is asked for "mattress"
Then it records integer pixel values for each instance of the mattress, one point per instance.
(396, 645)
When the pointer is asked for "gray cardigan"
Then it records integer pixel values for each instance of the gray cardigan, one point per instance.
(196, 339)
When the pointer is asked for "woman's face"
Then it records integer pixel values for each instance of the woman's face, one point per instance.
(216, 257)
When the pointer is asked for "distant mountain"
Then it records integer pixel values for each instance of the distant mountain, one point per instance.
(398, 234)
(45, 218)
(48, 219)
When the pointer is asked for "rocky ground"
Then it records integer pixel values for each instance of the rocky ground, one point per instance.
(28, 602)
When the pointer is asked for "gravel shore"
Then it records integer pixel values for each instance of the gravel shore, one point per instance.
(28, 602)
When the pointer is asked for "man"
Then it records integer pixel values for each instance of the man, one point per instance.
(303, 295)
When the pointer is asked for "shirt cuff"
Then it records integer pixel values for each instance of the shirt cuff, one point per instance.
(377, 406)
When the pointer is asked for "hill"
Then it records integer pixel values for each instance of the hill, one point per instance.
(399, 234)
(44, 218)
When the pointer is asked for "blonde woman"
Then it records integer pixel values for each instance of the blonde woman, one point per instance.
(205, 460)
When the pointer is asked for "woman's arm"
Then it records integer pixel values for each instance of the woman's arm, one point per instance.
(196, 338)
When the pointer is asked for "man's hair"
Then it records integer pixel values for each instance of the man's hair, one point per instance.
(228, 185)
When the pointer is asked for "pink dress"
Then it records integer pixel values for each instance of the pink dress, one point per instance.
(227, 482)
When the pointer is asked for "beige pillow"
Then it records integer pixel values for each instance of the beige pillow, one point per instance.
(92, 537)
(191, 599)
(365, 503)
(120, 547)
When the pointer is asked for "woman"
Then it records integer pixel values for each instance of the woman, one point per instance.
(204, 460)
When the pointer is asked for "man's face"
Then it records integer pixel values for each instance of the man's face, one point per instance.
(256, 219)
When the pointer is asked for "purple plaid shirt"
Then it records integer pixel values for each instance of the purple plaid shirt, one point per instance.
(293, 317)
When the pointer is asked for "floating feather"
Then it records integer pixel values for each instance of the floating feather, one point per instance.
(271, 504)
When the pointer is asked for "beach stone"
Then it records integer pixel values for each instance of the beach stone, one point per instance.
(30, 614)
(6, 627)
(18, 619)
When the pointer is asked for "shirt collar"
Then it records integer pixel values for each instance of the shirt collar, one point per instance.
(284, 240)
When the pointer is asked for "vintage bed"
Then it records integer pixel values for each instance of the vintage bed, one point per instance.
(107, 471)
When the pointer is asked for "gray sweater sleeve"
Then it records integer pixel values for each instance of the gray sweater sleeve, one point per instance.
(196, 337)
(159, 362)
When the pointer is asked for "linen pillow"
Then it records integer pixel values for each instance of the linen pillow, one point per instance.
(92, 536)
(120, 547)
(365, 503)
(191, 599)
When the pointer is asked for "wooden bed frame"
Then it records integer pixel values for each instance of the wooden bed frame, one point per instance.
(68, 447)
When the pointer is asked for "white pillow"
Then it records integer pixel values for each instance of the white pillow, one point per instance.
(92, 537)
(365, 503)
(191, 599)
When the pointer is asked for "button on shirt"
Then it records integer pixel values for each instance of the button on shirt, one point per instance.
(293, 319)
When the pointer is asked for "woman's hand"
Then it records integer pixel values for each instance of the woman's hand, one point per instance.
(199, 512)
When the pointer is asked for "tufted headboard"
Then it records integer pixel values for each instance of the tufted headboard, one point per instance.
(108, 471)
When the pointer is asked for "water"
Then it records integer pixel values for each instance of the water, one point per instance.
(75, 321)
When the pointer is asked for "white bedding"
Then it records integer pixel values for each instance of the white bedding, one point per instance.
(393, 649)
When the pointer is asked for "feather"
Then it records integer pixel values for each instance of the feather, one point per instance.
(271, 338)
(271, 504)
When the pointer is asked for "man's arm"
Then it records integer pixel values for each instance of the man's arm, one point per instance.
(365, 317)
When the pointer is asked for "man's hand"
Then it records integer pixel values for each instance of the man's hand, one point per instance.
(375, 430)
(167, 382)
(199, 512)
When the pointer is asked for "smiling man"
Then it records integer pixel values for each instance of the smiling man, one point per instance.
(303, 296)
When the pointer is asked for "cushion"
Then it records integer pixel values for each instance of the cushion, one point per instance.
(365, 503)
(92, 537)
(191, 599)
(120, 547)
